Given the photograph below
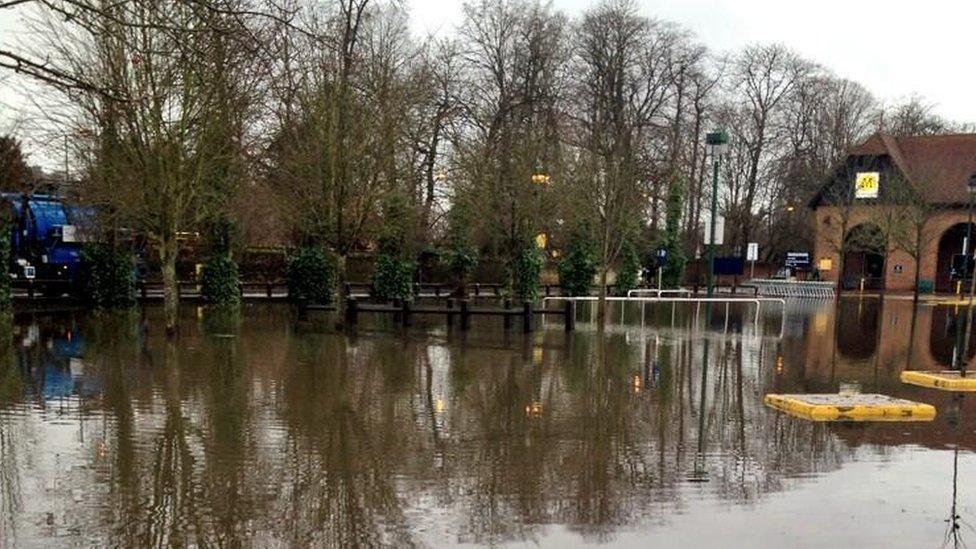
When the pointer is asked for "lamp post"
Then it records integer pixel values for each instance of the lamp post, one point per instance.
(971, 186)
(717, 143)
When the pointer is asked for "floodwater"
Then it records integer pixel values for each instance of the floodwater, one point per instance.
(275, 431)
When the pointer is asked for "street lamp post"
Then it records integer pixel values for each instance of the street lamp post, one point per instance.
(716, 142)
(971, 186)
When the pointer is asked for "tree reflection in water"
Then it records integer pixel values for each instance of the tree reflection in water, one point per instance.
(266, 432)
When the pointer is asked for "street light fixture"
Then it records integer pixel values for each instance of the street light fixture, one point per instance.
(717, 143)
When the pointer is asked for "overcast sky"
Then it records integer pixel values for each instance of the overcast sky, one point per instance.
(895, 48)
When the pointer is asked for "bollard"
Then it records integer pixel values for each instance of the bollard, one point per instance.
(526, 317)
(465, 315)
(570, 315)
(507, 318)
(352, 311)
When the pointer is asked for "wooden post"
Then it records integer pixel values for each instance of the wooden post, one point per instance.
(477, 290)
(450, 312)
(527, 317)
(352, 311)
(569, 316)
(30, 289)
(268, 288)
(507, 318)
(142, 289)
(405, 316)
(465, 315)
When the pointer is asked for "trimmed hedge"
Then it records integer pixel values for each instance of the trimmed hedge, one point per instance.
(310, 276)
(578, 267)
(629, 269)
(106, 277)
(393, 277)
(524, 273)
(220, 281)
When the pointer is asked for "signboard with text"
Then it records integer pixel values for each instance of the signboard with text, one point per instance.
(719, 230)
(752, 251)
(797, 260)
(866, 184)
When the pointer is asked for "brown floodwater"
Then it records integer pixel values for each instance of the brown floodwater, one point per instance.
(267, 430)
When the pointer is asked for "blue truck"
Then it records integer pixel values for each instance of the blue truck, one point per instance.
(46, 240)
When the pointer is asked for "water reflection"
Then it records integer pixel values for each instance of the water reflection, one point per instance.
(263, 430)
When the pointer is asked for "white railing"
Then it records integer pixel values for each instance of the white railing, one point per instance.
(793, 288)
(659, 292)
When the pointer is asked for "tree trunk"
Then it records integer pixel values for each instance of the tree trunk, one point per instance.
(601, 311)
(339, 289)
(168, 250)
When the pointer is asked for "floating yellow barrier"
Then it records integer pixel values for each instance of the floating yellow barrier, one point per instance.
(851, 407)
(949, 380)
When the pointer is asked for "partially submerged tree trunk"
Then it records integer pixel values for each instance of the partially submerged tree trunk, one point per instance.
(339, 289)
(168, 251)
(601, 313)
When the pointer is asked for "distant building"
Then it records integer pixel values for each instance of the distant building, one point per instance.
(887, 187)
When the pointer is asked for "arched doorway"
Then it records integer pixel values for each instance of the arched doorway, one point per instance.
(950, 244)
(864, 258)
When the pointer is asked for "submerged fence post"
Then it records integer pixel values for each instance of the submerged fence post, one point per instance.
(405, 316)
(352, 311)
(465, 315)
(569, 315)
(527, 317)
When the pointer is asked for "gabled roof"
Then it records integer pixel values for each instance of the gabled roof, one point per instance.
(938, 166)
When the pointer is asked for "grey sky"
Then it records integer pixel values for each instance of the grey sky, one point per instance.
(894, 47)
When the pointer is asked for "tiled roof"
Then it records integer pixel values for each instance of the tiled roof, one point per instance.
(939, 166)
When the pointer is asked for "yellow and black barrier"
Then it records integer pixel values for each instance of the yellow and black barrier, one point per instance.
(851, 407)
(949, 380)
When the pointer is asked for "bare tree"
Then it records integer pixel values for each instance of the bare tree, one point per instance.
(163, 140)
(514, 54)
(764, 77)
(625, 83)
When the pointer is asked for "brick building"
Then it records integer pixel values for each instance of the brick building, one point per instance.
(894, 198)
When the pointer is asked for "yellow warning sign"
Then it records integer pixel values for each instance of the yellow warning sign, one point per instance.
(866, 185)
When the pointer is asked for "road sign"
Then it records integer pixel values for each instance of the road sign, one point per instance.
(752, 251)
(719, 230)
(797, 260)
